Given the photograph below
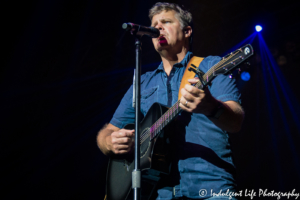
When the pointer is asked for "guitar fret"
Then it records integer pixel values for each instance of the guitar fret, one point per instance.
(166, 121)
(159, 124)
(158, 127)
(168, 115)
(151, 131)
(174, 111)
(166, 118)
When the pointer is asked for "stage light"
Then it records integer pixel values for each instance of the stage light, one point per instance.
(245, 76)
(258, 28)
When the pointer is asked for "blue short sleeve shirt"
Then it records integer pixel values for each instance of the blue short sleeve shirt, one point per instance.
(202, 156)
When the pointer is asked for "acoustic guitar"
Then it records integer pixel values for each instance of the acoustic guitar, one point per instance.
(154, 137)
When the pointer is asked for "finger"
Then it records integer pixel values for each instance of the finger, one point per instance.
(185, 108)
(192, 90)
(125, 133)
(122, 149)
(186, 104)
(187, 96)
(194, 80)
(182, 106)
(183, 102)
(122, 141)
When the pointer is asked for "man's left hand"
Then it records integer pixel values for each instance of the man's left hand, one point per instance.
(196, 100)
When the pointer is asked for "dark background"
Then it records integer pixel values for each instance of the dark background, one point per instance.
(67, 64)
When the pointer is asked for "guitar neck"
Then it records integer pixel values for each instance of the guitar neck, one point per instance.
(228, 63)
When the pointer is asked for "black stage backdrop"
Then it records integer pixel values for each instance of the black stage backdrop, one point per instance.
(67, 64)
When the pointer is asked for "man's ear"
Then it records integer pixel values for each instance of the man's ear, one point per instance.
(188, 31)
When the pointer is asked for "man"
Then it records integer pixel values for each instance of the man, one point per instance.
(202, 163)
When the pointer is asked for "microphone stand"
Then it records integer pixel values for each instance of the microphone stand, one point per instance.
(136, 173)
(138, 31)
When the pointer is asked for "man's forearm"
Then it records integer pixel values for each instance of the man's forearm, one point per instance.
(102, 140)
(232, 117)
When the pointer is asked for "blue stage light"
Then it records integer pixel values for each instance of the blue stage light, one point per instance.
(245, 76)
(258, 28)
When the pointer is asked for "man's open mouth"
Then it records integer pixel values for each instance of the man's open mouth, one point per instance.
(162, 40)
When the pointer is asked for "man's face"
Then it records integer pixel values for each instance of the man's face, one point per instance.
(171, 34)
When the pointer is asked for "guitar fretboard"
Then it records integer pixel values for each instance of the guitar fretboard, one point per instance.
(224, 65)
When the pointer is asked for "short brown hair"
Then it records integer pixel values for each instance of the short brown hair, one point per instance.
(183, 16)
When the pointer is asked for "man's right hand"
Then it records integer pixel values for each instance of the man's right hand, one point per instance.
(121, 141)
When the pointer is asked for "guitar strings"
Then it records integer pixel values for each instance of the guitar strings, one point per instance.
(146, 134)
(211, 71)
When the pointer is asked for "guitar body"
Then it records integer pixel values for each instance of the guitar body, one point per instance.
(154, 158)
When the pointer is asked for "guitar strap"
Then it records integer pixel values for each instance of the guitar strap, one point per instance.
(189, 74)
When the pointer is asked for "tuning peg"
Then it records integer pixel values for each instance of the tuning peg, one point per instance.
(248, 63)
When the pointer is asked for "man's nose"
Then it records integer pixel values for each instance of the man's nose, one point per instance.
(159, 26)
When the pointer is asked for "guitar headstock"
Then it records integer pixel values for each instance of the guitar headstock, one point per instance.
(232, 60)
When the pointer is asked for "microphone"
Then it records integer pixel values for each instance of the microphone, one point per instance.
(141, 30)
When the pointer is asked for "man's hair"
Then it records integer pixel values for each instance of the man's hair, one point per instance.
(184, 17)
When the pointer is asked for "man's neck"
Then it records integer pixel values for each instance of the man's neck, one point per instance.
(169, 59)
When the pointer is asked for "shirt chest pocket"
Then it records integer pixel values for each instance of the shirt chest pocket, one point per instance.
(148, 97)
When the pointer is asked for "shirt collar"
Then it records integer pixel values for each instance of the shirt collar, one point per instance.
(183, 63)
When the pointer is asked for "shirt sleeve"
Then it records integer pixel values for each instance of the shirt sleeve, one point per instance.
(222, 88)
(125, 113)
